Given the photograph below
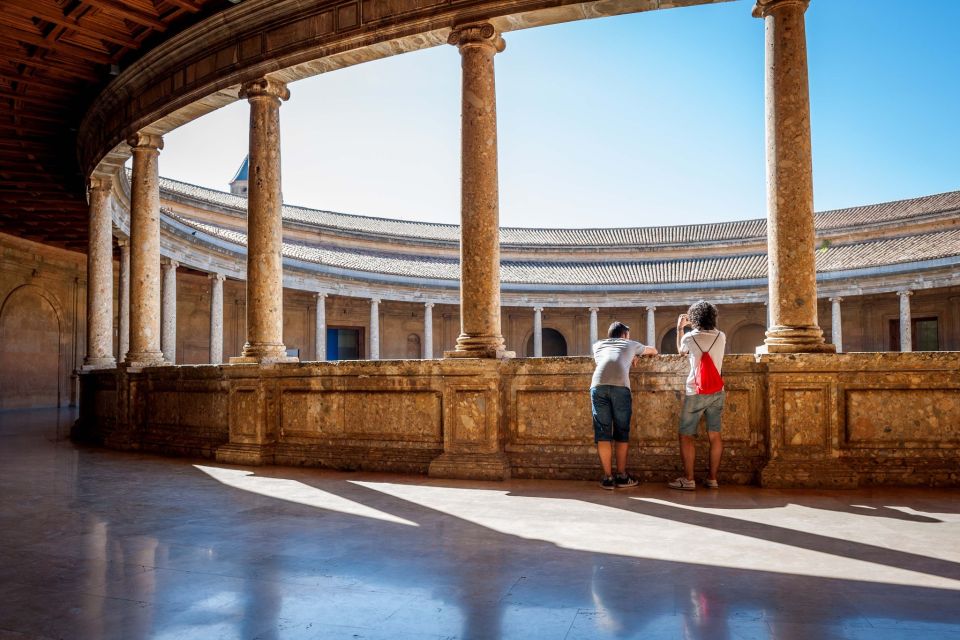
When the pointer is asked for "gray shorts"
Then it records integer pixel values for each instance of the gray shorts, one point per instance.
(696, 406)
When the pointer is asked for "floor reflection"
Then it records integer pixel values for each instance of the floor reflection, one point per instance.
(98, 544)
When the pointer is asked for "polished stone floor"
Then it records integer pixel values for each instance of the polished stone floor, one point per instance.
(99, 544)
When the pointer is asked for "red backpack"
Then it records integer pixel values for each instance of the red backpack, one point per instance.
(707, 377)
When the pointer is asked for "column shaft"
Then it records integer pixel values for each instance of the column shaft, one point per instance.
(594, 333)
(123, 328)
(651, 326)
(168, 322)
(480, 333)
(264, 225)
(538, 332)
(836, 324)
(791, 255)
(100, 278)
(906, 337)
(216, 317)
(145, 252)
(428, 331)
(374, 329)
(321, 337)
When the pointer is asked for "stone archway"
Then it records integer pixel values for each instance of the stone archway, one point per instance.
(414, 351)
(746, 338)
(554, 344)
(29, 350)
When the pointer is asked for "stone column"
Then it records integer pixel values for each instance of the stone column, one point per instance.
(264, 226)
(145, 252)
(428, 331)
(480, 333)
(651, 326)
(124, 301)
(836, 332)
(216, 317)
(594, 334)
(906, 339)
(168, 326)
(99, 279)
(321, 338)
(538, 332)
(790, 234)
(374, 329)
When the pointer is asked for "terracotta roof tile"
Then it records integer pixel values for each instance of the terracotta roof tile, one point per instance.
(742, 230)
(622, 272)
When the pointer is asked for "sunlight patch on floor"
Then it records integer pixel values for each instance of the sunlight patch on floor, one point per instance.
(298, 492)
(629, 530)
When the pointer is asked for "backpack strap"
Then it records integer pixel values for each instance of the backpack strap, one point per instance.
(693, 339)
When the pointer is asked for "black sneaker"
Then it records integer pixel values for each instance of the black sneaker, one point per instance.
(608, 483)
(625, 480)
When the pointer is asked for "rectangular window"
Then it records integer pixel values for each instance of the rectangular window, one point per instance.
(344, 343)
(924, 334)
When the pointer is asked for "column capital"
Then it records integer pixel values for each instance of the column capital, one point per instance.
(836, 299)
(169, 263)
(593, 309)
(217, 276)
(651, 307)
(123, 242)
(95, 183)
(480, 35)
(320, 295)
(142, 140)
(265, 88)
(429, 305)
(905, 292)
(375, 300)
(538, 309)
(763, 8)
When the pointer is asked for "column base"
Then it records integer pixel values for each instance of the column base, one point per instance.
(471, 466)
(263, 360)
(808, 474)
(138, 361)
(488, 354)
(92, 364)
(803, 339)
(253, 455)
(479, 347)
(263, 353)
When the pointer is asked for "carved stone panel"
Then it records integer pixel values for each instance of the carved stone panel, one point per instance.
(805, 419)
(881, 417)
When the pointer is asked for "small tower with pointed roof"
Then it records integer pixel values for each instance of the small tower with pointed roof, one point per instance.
(238, 186)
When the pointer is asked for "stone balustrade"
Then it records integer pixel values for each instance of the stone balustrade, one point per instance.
(790, 420)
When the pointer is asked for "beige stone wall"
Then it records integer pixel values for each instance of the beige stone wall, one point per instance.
(789, 421)
(42, 323)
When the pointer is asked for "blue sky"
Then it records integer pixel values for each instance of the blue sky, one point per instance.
(646, 119)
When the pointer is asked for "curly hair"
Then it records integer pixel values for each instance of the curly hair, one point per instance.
(703, 315)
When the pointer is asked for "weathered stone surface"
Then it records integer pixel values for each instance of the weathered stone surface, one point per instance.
(145, 253)
(790, 420)
(791, 261)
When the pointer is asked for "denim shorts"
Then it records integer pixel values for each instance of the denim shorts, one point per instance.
(698, 405)
(612, 408)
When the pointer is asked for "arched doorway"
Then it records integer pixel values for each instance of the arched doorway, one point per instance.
(554, 344)
(747, 338)
(669, 342)
(413, 347)
(29, 350)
